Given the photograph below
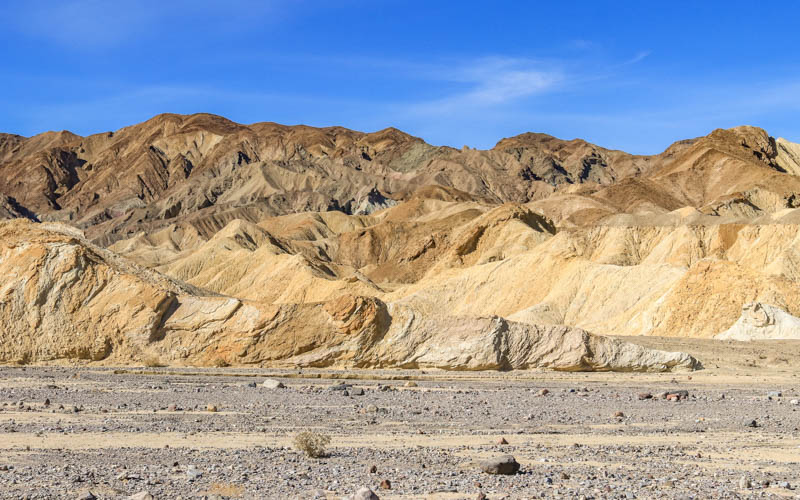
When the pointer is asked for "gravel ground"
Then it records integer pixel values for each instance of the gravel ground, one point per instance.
(65, 432)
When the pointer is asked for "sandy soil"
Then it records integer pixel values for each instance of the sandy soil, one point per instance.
(112, 432)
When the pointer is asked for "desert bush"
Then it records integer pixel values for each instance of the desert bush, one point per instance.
(311, 443)
(152, 362)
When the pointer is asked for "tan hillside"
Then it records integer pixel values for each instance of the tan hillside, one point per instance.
(66, 298)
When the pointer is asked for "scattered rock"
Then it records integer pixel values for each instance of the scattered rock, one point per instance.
(192, 473)
(386, 484)
(543, 392)
(172, 407)
(365, 494)
(774, 394)
(211, 408)
(505, 464)
(645, 395)
(357, 391)
(373, 469)
(619, 414)
(272, 384)
(502, 440)
(744, 483)
(410, 383)
(676, 395)
(142, 495)
(751, 423)
(87, 496)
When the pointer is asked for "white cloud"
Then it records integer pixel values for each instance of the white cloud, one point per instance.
(491, 82)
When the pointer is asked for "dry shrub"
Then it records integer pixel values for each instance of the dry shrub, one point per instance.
(153, 362)
(312, 443)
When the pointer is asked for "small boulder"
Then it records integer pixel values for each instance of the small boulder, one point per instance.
(645, 395)
(386, 484)
(681, 394)
(543, 392)
(365, 494)
(410, 383)
(142, 495)
(505, 464)
(502, 440)
(357, 392)
(211, 408)
(272, 384)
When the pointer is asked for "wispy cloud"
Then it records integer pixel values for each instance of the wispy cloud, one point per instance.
(494, 81)
(641, 55)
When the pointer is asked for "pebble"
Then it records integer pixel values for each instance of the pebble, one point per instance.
(192, 473)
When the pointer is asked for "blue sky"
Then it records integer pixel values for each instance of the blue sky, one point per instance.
(629, 75)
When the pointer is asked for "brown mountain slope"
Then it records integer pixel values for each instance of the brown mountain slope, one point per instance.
(173, 166)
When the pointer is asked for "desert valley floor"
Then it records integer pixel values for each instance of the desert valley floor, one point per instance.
(67, 431)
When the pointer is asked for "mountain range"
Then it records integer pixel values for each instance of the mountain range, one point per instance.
(197, 240)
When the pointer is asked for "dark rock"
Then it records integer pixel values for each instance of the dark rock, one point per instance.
(505, 464)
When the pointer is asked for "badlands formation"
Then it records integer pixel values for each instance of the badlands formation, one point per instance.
(193, 240)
